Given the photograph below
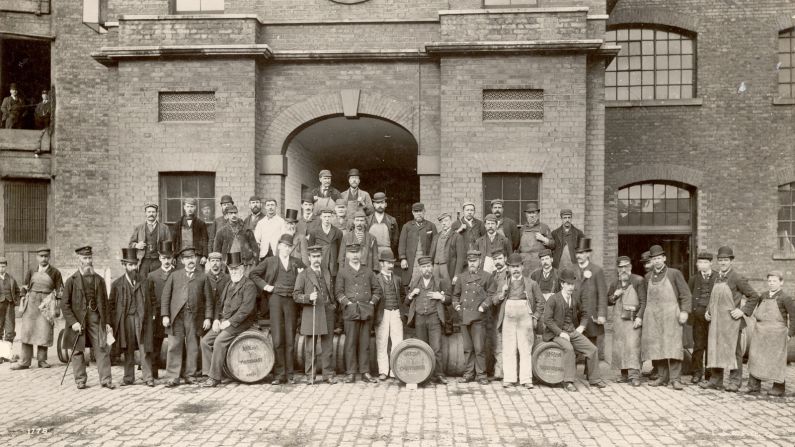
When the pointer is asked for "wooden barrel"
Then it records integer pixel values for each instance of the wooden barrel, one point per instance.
(63, 351)
(338, 351)
(453, 359)
(301, 356)
(548, 363)
(250, 356)
(791, 350)
(412, 361)
(339, 359)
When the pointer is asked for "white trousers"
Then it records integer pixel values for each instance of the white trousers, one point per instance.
(391, 327)
(517, 338)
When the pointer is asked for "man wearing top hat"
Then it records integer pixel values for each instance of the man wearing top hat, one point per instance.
(535, 237)
(153, 293)
(381, 225)
(300, 242)
(329, 238)
(235, 313)
(472, 301)
(269, 229)
(701, 288)
(190, 231)
(255, 206)
(389, 312)
(427, 297)
(314, 294)
(490, 242)
(565, 318)
(668, 301)
(42, 287)
(357, 290)
(416, 237)
(593, 289)
(469, 226)
(355, 198)
(276, 276)
(130, 315)
(725, 313)
(234, 237)
(186, 309)
(325, 195)
(9, 297)
(12, 109)
(567, 238)
(627, 295)
(308, 217)
(146, 238)
(219, 222)
(87, 315)
(368, 255)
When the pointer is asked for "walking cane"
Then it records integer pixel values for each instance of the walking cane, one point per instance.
(69, 360)
(314, 303)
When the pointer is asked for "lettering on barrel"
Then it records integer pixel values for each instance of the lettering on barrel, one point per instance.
(412, 365)
(548, 367)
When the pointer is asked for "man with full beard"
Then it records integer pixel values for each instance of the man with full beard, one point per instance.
(255, 205)
(219, 222)
(381, 225)
(468, 226)
(190, 231)
(368, 254)
(146, 238)
(235, 237)
(129, 314)
(628, 295)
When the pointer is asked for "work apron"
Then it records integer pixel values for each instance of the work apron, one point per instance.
(529, 247)
(565, 258)
(662, 334)
(626, 339)
(767, 358)
(323, 203)
(36, 325)
(723, 329)
(353, 205)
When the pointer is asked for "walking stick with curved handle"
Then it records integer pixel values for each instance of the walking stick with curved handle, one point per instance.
(314, 305)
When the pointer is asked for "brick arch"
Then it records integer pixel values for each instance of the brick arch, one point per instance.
(294, 118)
(784, 22)
(645, 173)
(658, 16)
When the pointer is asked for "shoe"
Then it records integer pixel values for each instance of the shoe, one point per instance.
(599, 384)
(635, 382)
(278, 381)
(483, 381)
(776, 392)
(109, 386)
(172, 384)
(368, 378)
(348, 379)
(81, 386)
(622, 379)
(150, 383)
(441, 379)
(695, 380)
(752, 391)
(125, 383)
(17, 367)
(190, 380)
(209, 383)
(382, 377)
(331, 380)
(710, 385)
(507, 384)
(44, 364)
(677, 385)
(569, 387)
(295, 380)
(658, 382)
(464, 379)
(528, 385)
(732, 388)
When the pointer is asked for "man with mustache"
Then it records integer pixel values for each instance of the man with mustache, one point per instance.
(255, 206)
(218, 280)
(491, 242)
(153, 292)
(628, 296)
(535, 237)
(567, 237)
(701, 287)
(547, 275)
(449, 260)
(428, 297)
(87, 314)
(300, 242)
(219, 222)
(471, 300)
(146, 238)
(505, 225)
(389, 312)
(381, 225)
(415, 242)
(359, 236)
(234, 237)
(468, 226)
(355, 198)
(592, 285)
(269, 229)
(130, 314)
(499, 278)
(190, 231)
(325, 195)
(329, 238)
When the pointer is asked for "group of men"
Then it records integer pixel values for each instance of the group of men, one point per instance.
(333, 269)
(14, 110)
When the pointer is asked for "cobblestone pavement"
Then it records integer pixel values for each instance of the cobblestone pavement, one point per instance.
(37, 411)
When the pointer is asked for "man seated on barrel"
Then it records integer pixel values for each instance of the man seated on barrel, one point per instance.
(234, 314)
(426, 311)
(563, 310)
(472, 301)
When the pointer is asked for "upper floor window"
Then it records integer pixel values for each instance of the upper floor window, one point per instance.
(192, 6)
(655, 204)
(786, 218)
(786, 60)
(515, 190)
(652, 64)
(510, 2)
(175, 187)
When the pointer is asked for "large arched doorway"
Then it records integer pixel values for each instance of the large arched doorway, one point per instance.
(384, 152)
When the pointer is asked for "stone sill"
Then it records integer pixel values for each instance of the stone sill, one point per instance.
(584, 45)
(655, 103)
(130, 17)
(528, 10)
(779, 256)
(781, 101)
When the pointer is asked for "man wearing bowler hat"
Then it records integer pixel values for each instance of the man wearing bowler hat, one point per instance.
(220, 222)
(472, 301)
(9, 297)
(547, 275)
(468, 226)
(592, 285)
(368, 255)
(668, 301)
(355, 198)
(427, 297)
(300, 241)
(153, 293)
(389, 312)
(308, 217)
(415, 242)
(329, 238)
(325, 195)
(235, 313)
(701, 288)
(628, 296)
(190, 231)
(12, 109)
(505, 225)
(381, 225)
(255, 206)
(490, 242)
(146, 238)
(276, 276)
(535, 237)
(234, 237)
(725, 313)
(567, 237)
(130, 314)
(186, 309)
(87, 315)
(218, 279)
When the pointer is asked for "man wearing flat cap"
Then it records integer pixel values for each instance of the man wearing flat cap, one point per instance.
(381, 225)
(131, 315)
(276, 276)
(234, 237)
(190, 231)
(471, 300)
(627, 295)
(428, 297)
(255, 206)
(567, 237)
(221, 221)
(9, 297)
(340, 219)
(490, 242)
(415, 241)
(146, 238)
(186, 309)
(368, 255)
(701, 288)
(725, 314)
(42, 287)
(357, 290)
(469, 226)
(87, 313)
(535, 237)
(355, 198)
(668, 301)
(325, 195)
(505, 225)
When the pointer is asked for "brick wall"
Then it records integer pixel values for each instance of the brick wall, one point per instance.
(193, 31)
(302, 168)
(326, 10)
(513, 26)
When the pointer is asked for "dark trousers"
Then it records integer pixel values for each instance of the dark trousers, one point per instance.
(474, 349)
(357, 346)
(27, 354)
(282, 310)
(129, 364)
(214, 346)
(91, 330)
(157, 344)
(148, 265)
(325, 355)
(669, 370)
(7, 320)
(184, 337)
(700, 337)
(428, 328)
(579, 344)
(735, 375)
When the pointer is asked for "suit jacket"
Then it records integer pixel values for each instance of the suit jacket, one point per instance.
(153, 293)
(637, 282)
(391, 224)
(305, 284)
(410, 235)
(225, 237)
(198, 295)
(456, 253)
(217, 285)
(486, 246)
(357, 292)
(511, 231)
(12, 283)
(331, 246)
(369, 250)
(162, 233)
(379, 306)
(471, 233)
(441, 286)
(42, 114)
(534, 299)
(480, 282)
(593, 292)
(555, 314)
(264, 274)
(200, 236)
(75, 308)
(123, 298)
(213, 229)
(251, 221)
(12, 110)
(238, 305)
(572, 238)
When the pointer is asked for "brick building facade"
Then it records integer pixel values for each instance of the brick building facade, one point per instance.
(155, 100)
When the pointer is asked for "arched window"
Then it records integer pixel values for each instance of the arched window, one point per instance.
(653, 64)
(786, 63)
(786, 218)
(656, 206)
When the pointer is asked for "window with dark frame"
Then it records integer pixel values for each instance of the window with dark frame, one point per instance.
(655, 204)
(25, 211)
(516, 191)
(652, 64)
(786, 63)
(786, 218)
(176, 187)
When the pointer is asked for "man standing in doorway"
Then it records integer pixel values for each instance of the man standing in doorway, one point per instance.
(190, 231)
(325, 195)
(146, 238)
(505, 225)
(355, 198)
(415, 241)
(381, 225)
(567, 237)
(368, 254)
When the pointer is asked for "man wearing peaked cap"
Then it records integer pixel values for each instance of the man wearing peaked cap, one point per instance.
(389, 312)
(234, 236)
(567, 237)
(381, 225)
(325, 195)
(300, 242)
(627, 295)
(491, 241)
(468, 225)
(415, 241)
(220, 221)
(191, 231)
(146, 237)
(359, 235)
(505, 225)
(471, 301)
(701, 289)
(355, 198)
(535, 237)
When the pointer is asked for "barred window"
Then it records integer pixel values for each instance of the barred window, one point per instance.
(652, 64)
(186, 106)
(513, 105)
(176, 187)
(192, 6)
(515, 190)
(786, 218)
(25, 212)
(786, 63)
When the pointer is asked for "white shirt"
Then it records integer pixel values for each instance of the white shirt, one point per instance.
(267, 233)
